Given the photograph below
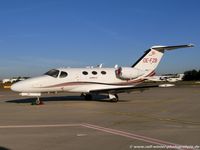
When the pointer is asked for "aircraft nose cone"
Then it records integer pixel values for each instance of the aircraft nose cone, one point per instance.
(16, 87)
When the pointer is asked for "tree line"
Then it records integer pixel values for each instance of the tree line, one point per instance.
(191, 75)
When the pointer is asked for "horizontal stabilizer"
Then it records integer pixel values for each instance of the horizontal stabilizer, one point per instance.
(162, 48)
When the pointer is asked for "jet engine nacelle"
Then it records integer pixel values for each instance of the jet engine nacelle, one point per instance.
(128, 73)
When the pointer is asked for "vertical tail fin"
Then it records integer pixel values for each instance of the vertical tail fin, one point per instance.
(150, 60)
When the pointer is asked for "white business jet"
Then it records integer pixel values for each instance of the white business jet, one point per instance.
(96, 80)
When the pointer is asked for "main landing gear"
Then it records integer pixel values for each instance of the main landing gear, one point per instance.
(113, 97)
(87, 96)
(37, 102)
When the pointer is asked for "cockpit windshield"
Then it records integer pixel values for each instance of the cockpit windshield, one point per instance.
(53, 73)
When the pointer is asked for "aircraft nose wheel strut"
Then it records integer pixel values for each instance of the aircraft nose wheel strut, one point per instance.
(37, 102)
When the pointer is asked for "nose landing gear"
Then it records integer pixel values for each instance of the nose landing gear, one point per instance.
(37, 102)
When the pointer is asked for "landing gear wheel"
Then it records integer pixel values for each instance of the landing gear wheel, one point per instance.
(114, 98)
(117, 97)
(37, 102)
(88, 97)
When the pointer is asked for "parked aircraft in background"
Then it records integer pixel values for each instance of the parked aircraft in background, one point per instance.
(89, 81)
(14, 79)
(179, 77)
(167, 78)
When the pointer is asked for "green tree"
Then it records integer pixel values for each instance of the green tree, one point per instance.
(191, 75)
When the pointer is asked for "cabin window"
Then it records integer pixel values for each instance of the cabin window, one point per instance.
(103, 72)
(94, 72)
(63, 74)
(85, 72)
(53, 73)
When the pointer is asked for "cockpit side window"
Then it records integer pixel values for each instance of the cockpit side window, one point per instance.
(63, 74)
(53, 73)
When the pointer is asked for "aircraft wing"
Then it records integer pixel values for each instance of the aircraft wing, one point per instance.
(124, 89)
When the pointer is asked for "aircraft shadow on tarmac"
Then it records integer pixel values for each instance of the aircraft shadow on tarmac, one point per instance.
(99, 98)
(3, 148)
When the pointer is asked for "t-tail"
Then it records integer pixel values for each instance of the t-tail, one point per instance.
(152, 57)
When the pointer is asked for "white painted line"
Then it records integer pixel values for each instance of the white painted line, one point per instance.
(38, 126)
(99, 128)
(132, 136)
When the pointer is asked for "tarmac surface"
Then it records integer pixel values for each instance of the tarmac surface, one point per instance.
(154, 119)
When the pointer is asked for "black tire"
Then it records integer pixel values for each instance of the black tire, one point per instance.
(88, 97)
(114, 100)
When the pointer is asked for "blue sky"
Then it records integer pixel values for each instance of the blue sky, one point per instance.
(38, 35)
